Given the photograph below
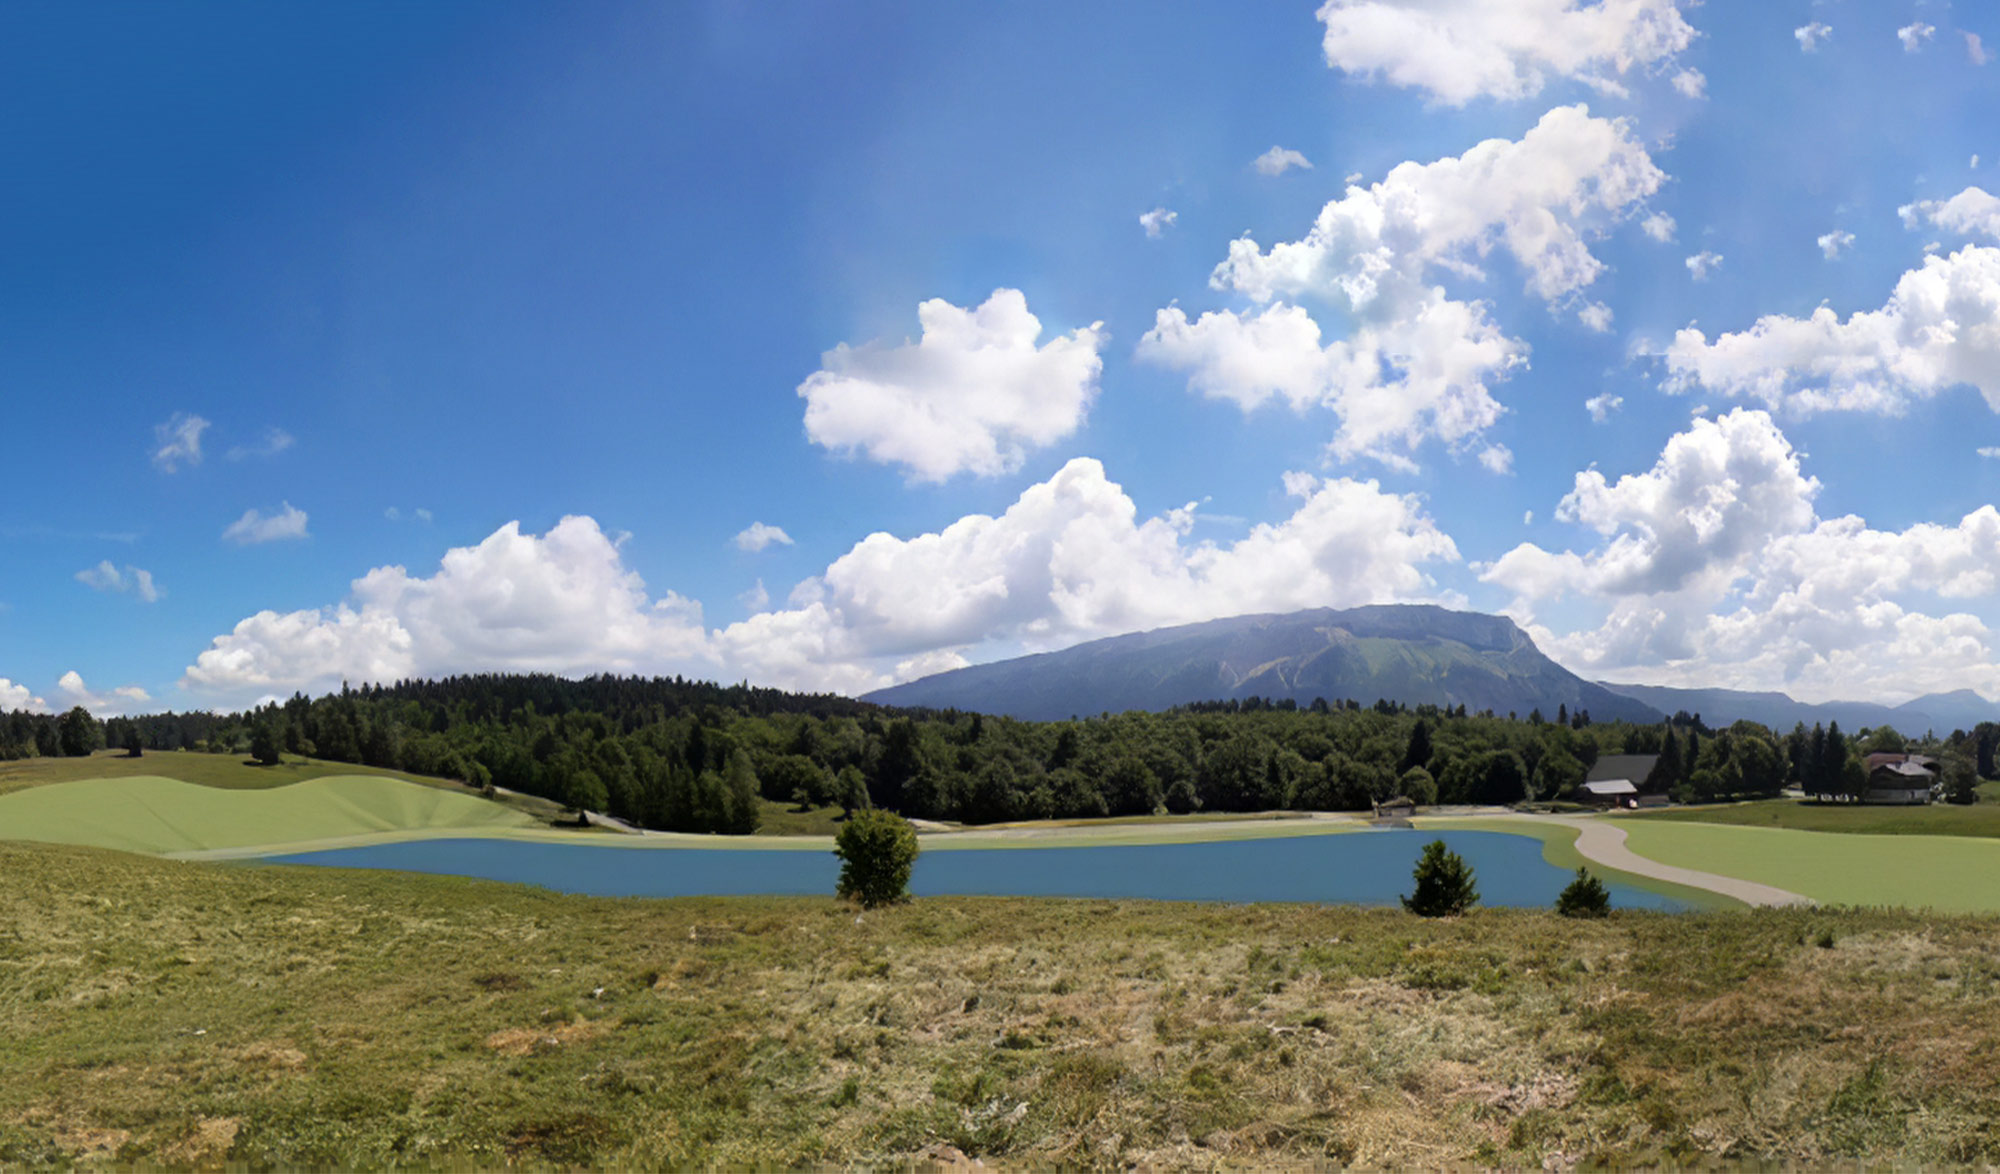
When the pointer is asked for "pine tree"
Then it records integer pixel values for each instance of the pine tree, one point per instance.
(1586, 896)
(1444, 883)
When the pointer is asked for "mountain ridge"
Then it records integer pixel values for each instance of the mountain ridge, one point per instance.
(1412, 653)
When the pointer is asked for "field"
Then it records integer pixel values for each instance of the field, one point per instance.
(1940, 819)
(142, 814)
(159, 1012)
(227, 771)
(1559, 849)
(1946, 873)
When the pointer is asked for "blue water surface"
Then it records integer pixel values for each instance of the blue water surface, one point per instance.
(1362, 868)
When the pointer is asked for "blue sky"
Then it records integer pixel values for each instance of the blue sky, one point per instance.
(320, 321)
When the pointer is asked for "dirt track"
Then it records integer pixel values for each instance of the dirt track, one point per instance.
(1604, 842)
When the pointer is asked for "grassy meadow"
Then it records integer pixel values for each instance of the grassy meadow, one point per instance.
(1938, 819)
(170, 1013)
(1954, 874)
(158, 815)
(230, 772)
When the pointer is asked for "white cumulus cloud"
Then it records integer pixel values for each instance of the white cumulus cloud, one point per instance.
(1834, 243)
(1719, 491)
(972, 395)
(1974, 211)
(1279, 160)
(1940, 328)
(1072, 560)
(1690, 83)
(178, 442)
(1914, 34)
(1716, 572)
(563, 602)
(1659, 226)
(758, 535)
(1812, 36)
(1601, 405)
(1539, 199)
(1414, 363)
(1390, 386)
(1460, 50)
(255, 527)
(1975, 49)
(15, 697)
(126, 699)
(1704, 263)
(1157, 222)
(106, 576)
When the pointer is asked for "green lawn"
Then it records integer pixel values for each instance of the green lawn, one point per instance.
(1938, 819)
(1559, 849)
(1948, 873)
(229, 771)
(196, 1016)
(783, 819)
(161, 815)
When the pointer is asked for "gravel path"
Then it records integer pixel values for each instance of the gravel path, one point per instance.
(1604, 842)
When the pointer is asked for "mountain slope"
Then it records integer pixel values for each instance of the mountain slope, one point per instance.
(1409, 653)
(1720, 707)
(1942, 712)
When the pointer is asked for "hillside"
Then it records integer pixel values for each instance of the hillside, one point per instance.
(1942, 712)
(1413, 654)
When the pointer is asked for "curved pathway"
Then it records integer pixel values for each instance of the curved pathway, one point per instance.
(1603, 841)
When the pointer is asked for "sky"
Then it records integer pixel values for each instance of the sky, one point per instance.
(827, 346)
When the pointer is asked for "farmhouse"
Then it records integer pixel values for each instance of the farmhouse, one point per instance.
(1609, 793)
(1901, 778)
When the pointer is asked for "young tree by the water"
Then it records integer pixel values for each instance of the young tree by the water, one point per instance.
(1586, 896)
(877, 850)
(1444, 885)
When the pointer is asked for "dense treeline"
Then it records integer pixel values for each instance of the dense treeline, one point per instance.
(670, 753)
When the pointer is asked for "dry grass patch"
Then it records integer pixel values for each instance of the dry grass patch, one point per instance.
(353, 1019)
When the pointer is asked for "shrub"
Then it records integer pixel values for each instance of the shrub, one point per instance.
(1586, 896)
(876, 850)
(1444, 883)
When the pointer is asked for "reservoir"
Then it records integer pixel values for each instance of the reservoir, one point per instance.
(1362, 868)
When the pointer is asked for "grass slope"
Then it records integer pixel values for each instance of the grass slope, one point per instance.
(1941, 819)
(228, 771)
(199, 1015)
(1559, 849)
(1947, 873)
(142, 814)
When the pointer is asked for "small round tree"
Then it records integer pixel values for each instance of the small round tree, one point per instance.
(1444, 883)
(876, 850)
(1586, 896)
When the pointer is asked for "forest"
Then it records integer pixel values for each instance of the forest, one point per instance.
(685, 755)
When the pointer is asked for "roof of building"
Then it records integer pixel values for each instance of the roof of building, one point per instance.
(1611, 787)
(1908, 770)
(1621, 766)
(1875, 760)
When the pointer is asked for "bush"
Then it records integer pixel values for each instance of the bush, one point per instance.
(1444, 883)
(876, 850)
(1586, 896)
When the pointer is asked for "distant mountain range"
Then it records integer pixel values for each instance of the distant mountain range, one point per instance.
(1409, 653)
(1415, 654)
(1942, 712)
